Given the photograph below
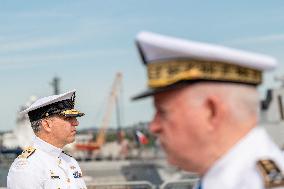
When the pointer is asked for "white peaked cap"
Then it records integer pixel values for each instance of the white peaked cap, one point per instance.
(49, 100)
(159, 47)
(172, 62)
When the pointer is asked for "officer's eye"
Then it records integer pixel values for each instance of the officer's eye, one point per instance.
(68, 118)
(71, 119)
(162, 112)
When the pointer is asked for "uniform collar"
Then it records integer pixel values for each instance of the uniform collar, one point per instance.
(239, 160)
(46, 147)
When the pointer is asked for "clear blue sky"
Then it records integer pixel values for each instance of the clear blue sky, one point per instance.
(86, 42)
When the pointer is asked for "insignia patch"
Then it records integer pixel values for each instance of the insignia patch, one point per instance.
(27, 153)
(77, 174)
(53, 176)
(271, 173)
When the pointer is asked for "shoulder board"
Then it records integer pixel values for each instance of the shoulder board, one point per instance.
(27, 152)
(66, 154)
(270, 173)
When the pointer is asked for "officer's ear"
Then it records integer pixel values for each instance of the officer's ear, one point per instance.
(216, 110)
(46, 125)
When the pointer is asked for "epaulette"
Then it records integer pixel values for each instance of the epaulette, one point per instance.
(271, 173)
(27, 152)
(66, 154)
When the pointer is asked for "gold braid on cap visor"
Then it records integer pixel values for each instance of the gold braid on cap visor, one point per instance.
(164, 73)
(71, 112)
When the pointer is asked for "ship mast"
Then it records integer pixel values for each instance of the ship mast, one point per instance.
(55, 84)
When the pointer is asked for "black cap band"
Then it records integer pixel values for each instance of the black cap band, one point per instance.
(51, 109)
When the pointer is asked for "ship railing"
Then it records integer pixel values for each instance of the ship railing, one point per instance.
(122, 185)
(180, 184)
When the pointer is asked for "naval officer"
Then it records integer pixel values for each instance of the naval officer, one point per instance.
(44, 165)
(206, 106)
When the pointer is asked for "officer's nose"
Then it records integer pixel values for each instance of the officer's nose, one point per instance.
(74, 122)
(155, 126)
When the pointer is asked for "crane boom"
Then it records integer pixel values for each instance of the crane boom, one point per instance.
(100, 139)
(111, 103)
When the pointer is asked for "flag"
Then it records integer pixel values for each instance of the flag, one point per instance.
(142, 138)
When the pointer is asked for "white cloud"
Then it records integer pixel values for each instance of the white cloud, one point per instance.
(54, 12)
(35, 43)
(84, 33)
(22, 43)
(20, 60)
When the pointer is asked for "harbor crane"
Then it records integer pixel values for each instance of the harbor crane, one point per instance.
(100, 139)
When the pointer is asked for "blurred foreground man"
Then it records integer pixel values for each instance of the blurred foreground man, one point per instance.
(44, 165)
(206, 112)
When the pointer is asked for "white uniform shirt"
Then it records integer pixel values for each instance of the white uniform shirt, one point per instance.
(47, 168)
(237, 169)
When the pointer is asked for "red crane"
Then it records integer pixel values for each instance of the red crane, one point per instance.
(100, 139)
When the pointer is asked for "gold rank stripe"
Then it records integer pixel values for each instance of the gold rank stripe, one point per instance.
(27, 152)
(164, 73)
(271, 173)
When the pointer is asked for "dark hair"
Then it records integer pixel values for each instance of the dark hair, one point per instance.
(36, 126)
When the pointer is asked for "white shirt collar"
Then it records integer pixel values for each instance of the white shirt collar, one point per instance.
(239, 160)
(46, 147)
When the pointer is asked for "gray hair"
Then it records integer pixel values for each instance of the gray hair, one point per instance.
(243, 100)
(36, 126)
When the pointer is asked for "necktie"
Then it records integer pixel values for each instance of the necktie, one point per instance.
(199, 185)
